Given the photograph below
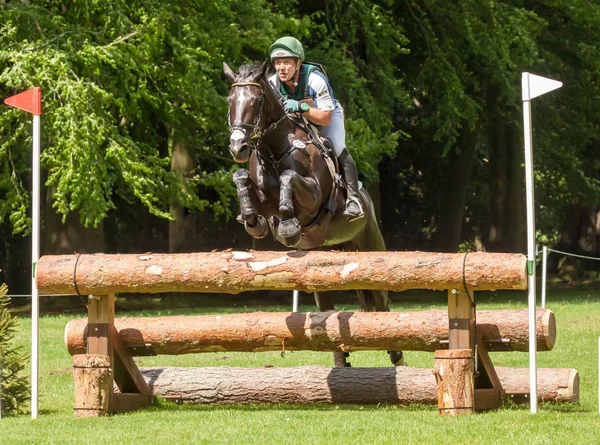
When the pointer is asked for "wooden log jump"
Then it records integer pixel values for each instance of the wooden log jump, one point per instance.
(234, 272)
(319, 384)
(101, 276)
(501, 330)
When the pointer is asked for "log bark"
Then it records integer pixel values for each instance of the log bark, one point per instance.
(561, 384)
(501, 330)
(319, 384)
(92, 384)
(234, 272)
(454, 372)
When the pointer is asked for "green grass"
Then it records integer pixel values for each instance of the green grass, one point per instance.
(578, 321)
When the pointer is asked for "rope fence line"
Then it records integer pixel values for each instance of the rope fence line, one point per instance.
(44, 295)
(574, 254)
(545, 251)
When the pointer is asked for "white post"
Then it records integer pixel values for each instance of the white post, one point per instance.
(295, 302)
(532, 86)
(544, 255)
(530, 249)
(35, 254)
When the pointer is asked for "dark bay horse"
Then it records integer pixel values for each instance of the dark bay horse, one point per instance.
(289, 186)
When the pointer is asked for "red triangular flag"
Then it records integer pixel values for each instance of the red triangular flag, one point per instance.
(30, 101)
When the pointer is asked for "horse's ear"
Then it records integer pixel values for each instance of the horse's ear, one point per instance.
(228, 73)
(265, 67)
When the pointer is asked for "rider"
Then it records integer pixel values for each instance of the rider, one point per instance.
(297, 82)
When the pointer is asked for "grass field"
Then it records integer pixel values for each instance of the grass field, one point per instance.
(578, 322)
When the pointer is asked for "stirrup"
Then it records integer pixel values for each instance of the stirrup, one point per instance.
(350, 216)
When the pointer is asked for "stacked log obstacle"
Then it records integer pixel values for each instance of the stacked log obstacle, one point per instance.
(100, 276)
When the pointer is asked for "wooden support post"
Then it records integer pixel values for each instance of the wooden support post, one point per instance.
(101, 321)
(454, 374)
(454, 369)
(489, 393)
(461, 320)
(92, 377)
(103, 338)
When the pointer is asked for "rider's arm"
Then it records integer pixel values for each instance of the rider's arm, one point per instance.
(323, 102)
(318, 116)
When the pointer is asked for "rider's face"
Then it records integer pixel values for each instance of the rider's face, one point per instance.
(286, 68)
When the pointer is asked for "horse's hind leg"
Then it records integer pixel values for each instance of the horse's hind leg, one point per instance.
(324, 302)
(254, 223)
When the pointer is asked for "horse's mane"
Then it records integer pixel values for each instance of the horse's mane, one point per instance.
(250, 71)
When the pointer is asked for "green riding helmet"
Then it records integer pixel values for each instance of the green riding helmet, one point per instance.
(286, 47)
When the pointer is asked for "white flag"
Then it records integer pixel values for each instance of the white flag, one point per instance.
(534, 86)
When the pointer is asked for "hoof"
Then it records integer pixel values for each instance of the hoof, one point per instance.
(259, 229)
(290, 231)
(247, 218)
(397, 358)
(339, 360)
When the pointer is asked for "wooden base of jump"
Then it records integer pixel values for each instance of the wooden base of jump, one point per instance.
(319, 384)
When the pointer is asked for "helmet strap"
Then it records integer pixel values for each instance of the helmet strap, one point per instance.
(297, 73)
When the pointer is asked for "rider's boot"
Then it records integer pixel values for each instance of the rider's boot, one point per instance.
(354, 208)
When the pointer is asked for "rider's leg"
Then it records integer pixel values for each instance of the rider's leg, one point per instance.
(354, 209)
(336, 133)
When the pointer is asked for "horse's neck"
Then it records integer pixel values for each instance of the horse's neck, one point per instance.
(277, 138)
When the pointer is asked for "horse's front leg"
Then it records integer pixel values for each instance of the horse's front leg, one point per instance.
(254, 223)
(306, 193)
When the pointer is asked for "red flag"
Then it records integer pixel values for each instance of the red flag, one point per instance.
(30, 101)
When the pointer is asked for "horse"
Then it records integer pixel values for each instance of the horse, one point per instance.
(289, 187)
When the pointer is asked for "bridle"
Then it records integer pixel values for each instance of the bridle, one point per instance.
(257, 134)
(243, 126)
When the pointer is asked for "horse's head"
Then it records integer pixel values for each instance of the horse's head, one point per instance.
(246, 100)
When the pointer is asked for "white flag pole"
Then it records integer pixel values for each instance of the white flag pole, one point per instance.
(530, 244)
(31, 101)
(295, 301)
(532, 86)
(544, 274)
(35, 254)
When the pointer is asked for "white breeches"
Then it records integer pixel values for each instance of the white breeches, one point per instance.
(335, 131)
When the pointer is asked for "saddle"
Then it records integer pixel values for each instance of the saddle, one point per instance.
(325, 148)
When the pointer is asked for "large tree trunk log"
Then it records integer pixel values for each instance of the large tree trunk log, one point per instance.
(501, 330)
(234, 272)
(318, 384)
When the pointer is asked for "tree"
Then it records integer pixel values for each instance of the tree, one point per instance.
(14, 388)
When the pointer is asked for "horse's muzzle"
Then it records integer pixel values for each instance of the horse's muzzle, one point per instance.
(239, 147)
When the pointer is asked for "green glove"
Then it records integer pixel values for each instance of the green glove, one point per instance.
(291, 106)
